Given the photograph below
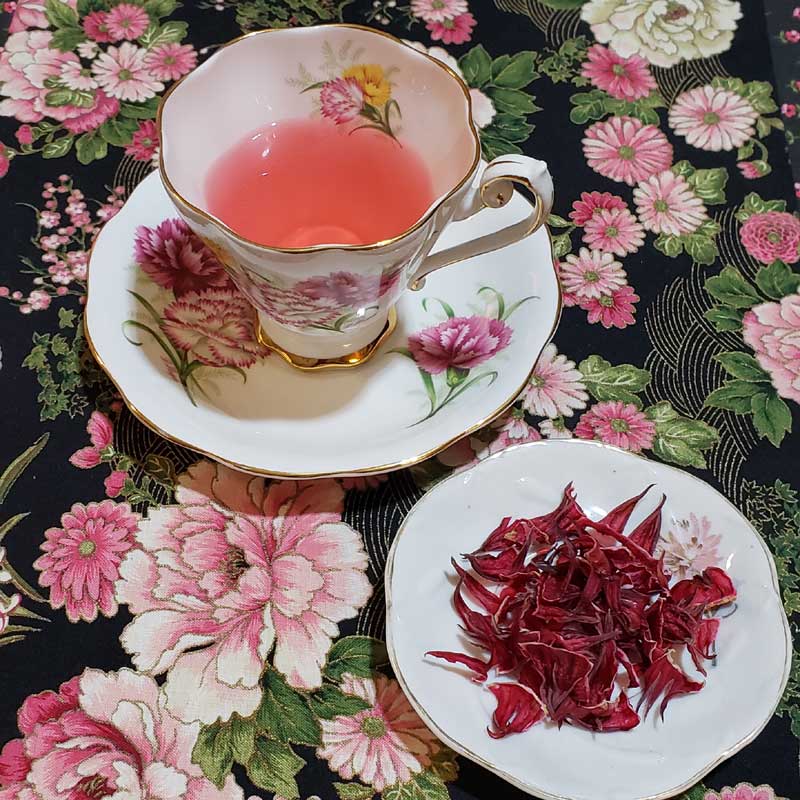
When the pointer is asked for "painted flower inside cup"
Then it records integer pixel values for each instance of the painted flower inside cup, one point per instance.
(571, 603)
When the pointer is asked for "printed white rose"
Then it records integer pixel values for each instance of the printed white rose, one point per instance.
(665, 32)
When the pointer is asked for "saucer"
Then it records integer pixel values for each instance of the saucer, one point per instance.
(190, 367)
(660, 757)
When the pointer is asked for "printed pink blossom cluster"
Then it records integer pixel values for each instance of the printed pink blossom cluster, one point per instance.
(448, 21)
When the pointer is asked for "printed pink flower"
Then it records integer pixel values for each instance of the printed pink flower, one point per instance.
(7, 608)
(591, 273)
(743, 791)
(555, 429)
(556, 388)
(752, 169)
(122, 72)
(772, 235)
(625, 149)
(623, 78)
(114, 482)
(24, 134)
(171, 61)
(75, 76)
(87, 119)
(287, 306)
(341, 100)
(592, 203)
(95, 26)
(101, 434)
(173, 257)
(126, 21)
(712, 118)
(39, 300)
(81, 561)
(382, 745)
(234, 571)
(773, 331)
(5, 161)
(666, 204)
(453, 31)
(31, 14)
(789, 110)
(791, 36)
(105, 734)
(613, 310)
(689, 547)
(216, 326)
(345, 288)
(438, 10)
(460, 342)
(617, 423)
(614, 231)
(144, 142)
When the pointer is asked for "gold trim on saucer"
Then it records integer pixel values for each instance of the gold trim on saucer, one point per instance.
(355, 359)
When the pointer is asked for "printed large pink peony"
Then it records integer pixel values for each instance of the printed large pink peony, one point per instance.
(105, 735)
(30, 14)
(460, 342)
(773, 331)
(172, 256)
(215, 326)
(772, 235)
(236, 571)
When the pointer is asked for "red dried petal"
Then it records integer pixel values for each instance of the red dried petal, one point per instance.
(518, 708)
(665, 680)
(710, 589)
(648, 531)
(618, 517)
(480, 668)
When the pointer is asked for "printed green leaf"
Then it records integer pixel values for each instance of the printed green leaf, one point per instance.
(777, 280)
(554, 221)
(709, 184)
(680, 440)
(284, 713)
(444, 765)
(60, 15)
(90, 147)
(58, 147)
(743, 366)
(354, 791)
(669, 245)
(357, 655)
(519, 72)
(476, 66)
(605, 382)
(13, 471)
(66, 318)
(733, 396)
(730, 288)
(160, 8)
(513, 101)
(118, 131)
(273, 767)
(500, 63)
(753, 204)
(562, 244)
(771, 416)
(66, 39)
(697, 792)
(588, 106)
(563, 4)
(242, 738)
(746, 150)
(509, 127)
(702, 249)
(423, 786)
(684, 169)
(213, 752)
(69, 97)
(759, 95)
(145, 110)
(329, 702)
(494, 146)
(163, 34)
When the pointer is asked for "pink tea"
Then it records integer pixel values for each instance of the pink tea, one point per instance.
(303, 182)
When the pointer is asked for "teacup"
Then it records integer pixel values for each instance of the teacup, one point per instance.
(258, 79)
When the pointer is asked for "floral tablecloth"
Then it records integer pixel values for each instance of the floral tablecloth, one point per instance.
(146, 652)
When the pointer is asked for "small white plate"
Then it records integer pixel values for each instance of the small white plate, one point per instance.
(284, 423)
(658, 758)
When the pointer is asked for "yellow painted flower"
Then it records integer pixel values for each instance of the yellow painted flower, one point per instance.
(372, 81)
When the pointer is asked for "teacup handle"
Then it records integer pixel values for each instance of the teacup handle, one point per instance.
(495, 189)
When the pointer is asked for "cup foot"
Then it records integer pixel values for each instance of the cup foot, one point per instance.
(354, 359)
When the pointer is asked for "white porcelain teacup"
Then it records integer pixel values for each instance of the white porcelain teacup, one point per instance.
(250, 83)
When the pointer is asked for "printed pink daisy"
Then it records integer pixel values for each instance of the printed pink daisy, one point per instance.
(614, 231)
(438, 10)
(168, 62)
(82, 558)
(593, 202)
(613, 310)
(383, 745)
(666, 204)
(95, 26)
(144, 142)
(121, 71)
(712, 118)
(341, 100)
(75, 76)
(556, 388)
(623, 78)
(452, 31)
(127, 21)
(617, 423)
(591, 273)
(625, 149)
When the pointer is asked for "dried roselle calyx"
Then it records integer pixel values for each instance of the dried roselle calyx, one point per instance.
(565, 606)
